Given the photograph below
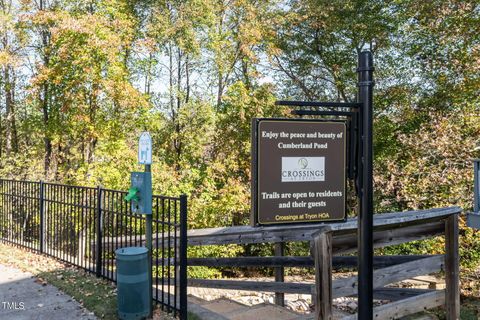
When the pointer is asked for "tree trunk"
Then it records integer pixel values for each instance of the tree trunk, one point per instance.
(45, 100)
(1, 135)
(178, 142)
(10, 127)
(14, 114)
(9, 87)
(219, 90)
(187, 79)
(46, 139)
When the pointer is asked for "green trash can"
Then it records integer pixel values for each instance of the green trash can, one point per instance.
(132, 283)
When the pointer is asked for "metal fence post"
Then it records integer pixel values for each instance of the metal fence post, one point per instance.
(41, 205)
(98, 251)
(183, 257)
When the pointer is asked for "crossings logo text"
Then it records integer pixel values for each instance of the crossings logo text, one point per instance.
(303, 169)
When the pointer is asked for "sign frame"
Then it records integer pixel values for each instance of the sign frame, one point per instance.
(254, 214)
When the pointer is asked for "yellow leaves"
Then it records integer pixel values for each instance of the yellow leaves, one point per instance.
(87, 62)
(146, 45)
(43, 18)
(7, 21)
(6, 58)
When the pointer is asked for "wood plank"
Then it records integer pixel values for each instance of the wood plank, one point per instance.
(405, 307)
(291, 261)
(343, 244)
(297, 261)
(379, 262)
(271, 234)
(262, 286)
(322, 253)
(382, 277)
(395, 294)
(452, 268)
(245, 234)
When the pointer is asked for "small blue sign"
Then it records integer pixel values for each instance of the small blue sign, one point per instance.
(145, 149)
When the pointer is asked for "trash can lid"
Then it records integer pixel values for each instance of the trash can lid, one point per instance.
(131, 251)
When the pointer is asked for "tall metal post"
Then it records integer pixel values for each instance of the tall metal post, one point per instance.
(98, 231)
(148, 237)
(42, 216)
(365, 215)
(183, 257)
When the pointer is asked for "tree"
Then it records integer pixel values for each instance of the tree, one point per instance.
(10, 50)
(316, 45)
(85, 81)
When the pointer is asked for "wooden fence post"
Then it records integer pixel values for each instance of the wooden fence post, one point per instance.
(279, 273)
(322, 254)
(452, 294)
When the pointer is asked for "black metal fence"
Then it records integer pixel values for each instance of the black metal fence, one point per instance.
(84, 226)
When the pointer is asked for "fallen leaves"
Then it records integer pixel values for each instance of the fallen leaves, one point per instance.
(41, 281)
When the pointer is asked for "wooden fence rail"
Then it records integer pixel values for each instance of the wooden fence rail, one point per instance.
(329, 241)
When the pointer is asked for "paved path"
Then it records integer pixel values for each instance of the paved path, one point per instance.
(23, 298)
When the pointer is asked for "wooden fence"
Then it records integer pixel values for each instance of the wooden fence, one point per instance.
(330, 243)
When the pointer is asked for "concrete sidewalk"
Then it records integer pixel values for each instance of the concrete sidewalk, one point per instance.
(23, 298)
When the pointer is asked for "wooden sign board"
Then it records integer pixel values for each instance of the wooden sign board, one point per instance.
(298, 171)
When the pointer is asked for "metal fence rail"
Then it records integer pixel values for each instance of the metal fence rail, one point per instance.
(83, 226)
(20, 213)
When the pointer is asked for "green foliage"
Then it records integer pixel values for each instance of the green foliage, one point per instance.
(203, 273)
(211, 251)
(79, 81)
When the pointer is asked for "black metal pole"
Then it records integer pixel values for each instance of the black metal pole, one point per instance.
(98, 225)
(183, 257)
(365, 216)
(42, 217)
(148, 237)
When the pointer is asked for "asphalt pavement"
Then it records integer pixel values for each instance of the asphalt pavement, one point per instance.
(22, 296)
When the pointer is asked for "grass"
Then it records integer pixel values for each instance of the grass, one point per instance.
(192, 316)
(469, 310)
(95, 294)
